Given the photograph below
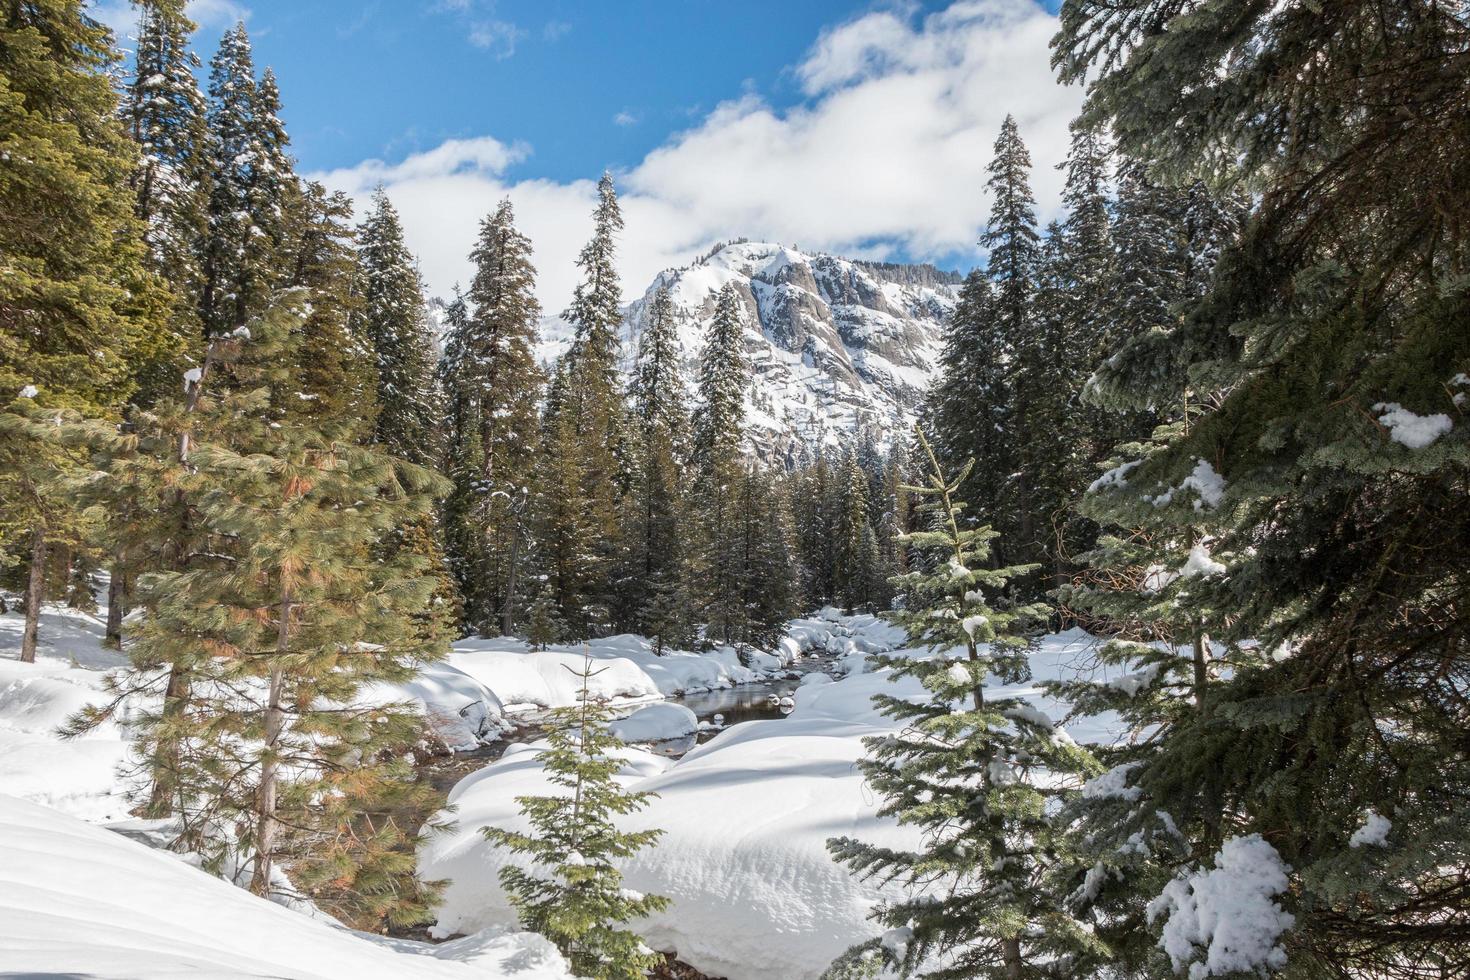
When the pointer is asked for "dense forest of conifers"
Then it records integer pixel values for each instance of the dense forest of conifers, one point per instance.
(1216, 414)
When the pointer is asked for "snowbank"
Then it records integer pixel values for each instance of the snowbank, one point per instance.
(87, 777)
(629, 670)
(656, 723)
(463, 712)
(77, 900)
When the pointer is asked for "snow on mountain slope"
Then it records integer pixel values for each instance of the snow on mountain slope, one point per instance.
(836, 346)
(77, 900)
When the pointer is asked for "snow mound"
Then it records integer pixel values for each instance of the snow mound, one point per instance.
(656, 723)
(629, 671)
(463, 712)
(77, 900)
(78, 777)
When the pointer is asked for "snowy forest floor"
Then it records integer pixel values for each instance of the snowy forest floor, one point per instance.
(746, 814)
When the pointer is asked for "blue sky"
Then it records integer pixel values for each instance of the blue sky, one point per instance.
(857, 128)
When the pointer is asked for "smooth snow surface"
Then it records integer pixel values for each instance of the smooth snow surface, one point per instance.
(80, 901)
(79, 777)
(1224, 920)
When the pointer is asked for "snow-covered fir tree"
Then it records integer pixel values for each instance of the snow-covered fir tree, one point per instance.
(336, 375)
(574, 894)
(974, 773)
(249, 177)
(490, 372)
(719, 464)
(593, 402)
(1014, 250)
(654, 585)
(569, 551)
(391, 317)
(164, 113)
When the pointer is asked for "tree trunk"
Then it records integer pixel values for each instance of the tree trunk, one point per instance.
(176, 695)
(1201, 668)
(508, 602)
(1010, 951)
(166, 756)
(35, 591)
(265, 803)
(116, 588)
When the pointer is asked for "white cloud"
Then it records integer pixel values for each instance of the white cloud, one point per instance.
(625, 118)
(499, 37)
(887, 153)
(122, 16)
(216, 13)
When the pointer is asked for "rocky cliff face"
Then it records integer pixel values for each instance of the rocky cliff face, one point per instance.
(836, 347)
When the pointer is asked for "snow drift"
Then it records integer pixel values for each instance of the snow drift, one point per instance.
(77, 900)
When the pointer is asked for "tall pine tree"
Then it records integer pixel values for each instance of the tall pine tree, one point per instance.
(1323, 442)
(653, 584)
(490, 371)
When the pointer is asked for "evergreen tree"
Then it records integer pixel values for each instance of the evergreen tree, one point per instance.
(1014, 251)
(579, 903)
(250, 177)
(963, 770)
(336, 376)
(80, 309)
(281, 614)
(969, 407)
(857, 553)
(543, 626)
(1143, 584)
(464, 545)
(490, 370)
(391, 317)
(1053, 452)
(720, 471)
(569, 550)
(653, 585)
(815, 517)
(593, 397)
(765, 574)
(1321, 443)
(163, 110)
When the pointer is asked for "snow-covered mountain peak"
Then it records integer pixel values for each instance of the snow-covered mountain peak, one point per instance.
(836, 346)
